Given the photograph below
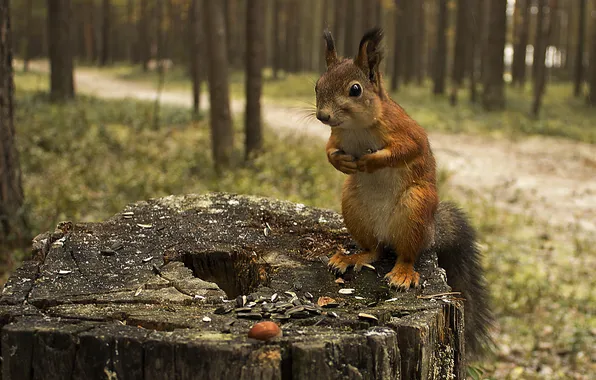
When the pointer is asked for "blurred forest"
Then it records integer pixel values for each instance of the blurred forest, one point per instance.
(121, 100)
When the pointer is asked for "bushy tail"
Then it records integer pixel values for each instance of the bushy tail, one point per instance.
(455, 244)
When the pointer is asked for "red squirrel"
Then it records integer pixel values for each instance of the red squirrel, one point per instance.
(389, 198)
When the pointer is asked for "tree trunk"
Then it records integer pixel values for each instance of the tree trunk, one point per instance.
(255, 56)
(475, 48)
(419, 43)
(493, 97)
(591, 99)
(28, 34)
(545, 16)
(13, 228)
(105, 33)
(397, 46)
(339, 24)
(277, 40)
(60, 49)
(144, 38)
(222, 133)
(522, 26)
(409, 39)
(440, 59)
(579, 53)
(194, 29)
(460, 53)
(349, 47)
(130, 30)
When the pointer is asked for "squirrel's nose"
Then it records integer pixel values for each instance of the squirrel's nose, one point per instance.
(323, 116)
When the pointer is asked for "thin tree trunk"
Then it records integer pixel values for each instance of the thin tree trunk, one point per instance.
(255, 42)
(60, 49)
(222, 134)
(522, 26)
(143, 33)
(460, 54)
(130, 30)
(105, 33)
(419, 43)
(579, 53)
(350, 30)
(397, 46)
(440, 59)
(194, 29)
(339, 23)
(277, 55)
(475, 32)
(493, 97)
(28, 34)
(13, 227)
(543, 36)
(591, 98)
(409, 32)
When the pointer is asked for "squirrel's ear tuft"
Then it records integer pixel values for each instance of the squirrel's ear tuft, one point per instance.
(330, 53)
(370, 53)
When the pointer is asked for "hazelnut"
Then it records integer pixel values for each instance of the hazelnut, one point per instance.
(266, 330)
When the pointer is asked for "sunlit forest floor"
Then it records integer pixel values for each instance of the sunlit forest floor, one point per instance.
(86, 159)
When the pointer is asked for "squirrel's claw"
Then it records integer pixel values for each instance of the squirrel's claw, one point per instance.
(402, 276)
(338, 264)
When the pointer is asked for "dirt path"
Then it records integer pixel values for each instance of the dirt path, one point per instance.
(553, 179)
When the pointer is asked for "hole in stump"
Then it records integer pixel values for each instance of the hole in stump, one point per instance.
(235, 273)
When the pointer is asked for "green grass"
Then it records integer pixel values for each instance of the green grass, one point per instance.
(562, 115)
(84, 160)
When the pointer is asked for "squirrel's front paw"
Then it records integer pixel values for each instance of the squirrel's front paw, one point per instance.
(345, 163)
(367, 163)
(403, 276)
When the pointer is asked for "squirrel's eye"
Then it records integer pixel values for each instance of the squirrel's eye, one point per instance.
(355, 90)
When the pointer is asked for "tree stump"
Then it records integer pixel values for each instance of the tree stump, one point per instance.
(168, 289)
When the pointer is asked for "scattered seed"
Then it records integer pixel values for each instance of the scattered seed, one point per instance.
(139, 290)
(346, 291)
(369, 266)
(280, 317)
(295, 301)
(63, 271)
(274, 297)
(291, 294)
(340, 280)
(368, 317)
(199, 297)
(300, 314)
(255, 316)
(240, 301)
(206, 319)
(295, 309)
(108, 252)
(128, 213)
(266, 231)
(308, 295)
(145, 225)
(147, 259)
(333, 314)
(242, 309)
(391, 300)
(223, 309)
(286, 305)
(359, 298)
(117, 246)
(372, 304)
(251, 304)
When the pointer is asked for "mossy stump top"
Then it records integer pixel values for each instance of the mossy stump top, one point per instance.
(168, 289)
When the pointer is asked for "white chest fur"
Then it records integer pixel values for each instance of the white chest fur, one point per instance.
(358, 142)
